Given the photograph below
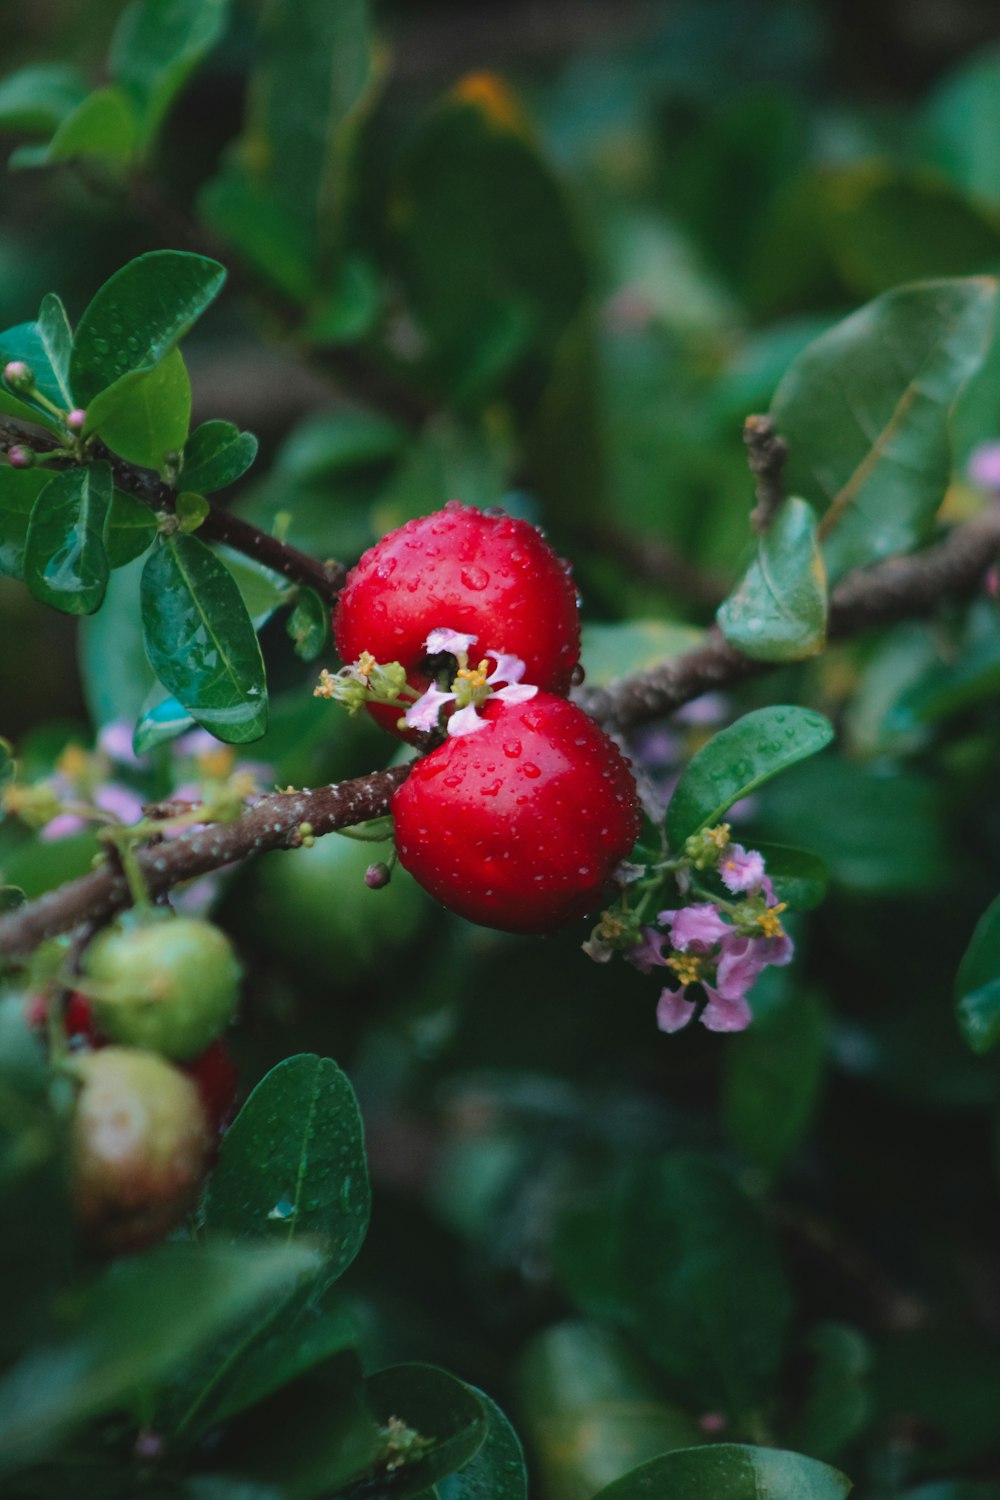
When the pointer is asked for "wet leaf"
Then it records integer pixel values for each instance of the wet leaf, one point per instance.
(65, 559)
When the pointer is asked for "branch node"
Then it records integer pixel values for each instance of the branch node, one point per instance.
(766, 455)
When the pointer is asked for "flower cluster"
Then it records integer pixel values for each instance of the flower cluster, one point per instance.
(720, 943)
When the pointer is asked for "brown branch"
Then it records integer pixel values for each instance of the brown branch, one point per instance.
(218, 526)
(273, 822)
(897, 589)
(766, 455)
(900, 588)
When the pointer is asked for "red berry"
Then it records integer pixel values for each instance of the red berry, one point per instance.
(519, 825)
(490, 576)
(140, 1147)
(214, 1075)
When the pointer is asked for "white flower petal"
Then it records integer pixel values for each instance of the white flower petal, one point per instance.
(448, 640)
(518, 692)
(466, 721)
(507, 669)
(424, 713)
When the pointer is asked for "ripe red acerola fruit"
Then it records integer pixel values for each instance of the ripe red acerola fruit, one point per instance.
(519, 825)
(490, 576)
(215, 1077)
(141, 1147)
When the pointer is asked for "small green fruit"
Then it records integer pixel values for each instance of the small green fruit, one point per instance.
(169, 986)
(140, 1147)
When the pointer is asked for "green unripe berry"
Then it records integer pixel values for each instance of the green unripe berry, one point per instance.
(168, 986)
(140, 1147)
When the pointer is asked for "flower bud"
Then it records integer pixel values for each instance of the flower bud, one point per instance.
(377, 876)
(21, 457)
(19, 376)
(76, 420)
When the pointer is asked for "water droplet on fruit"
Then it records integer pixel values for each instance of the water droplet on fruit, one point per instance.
(491, 789)
(530, 769)
(475, 578)
(512, 749)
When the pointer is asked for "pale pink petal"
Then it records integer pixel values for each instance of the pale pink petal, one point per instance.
(741, 963)
(741, 869)
(449, 640)
(507, 669)
(115, 739)
(424, 713)
(466, 721)
(721, 1014)
(517, 693)
(61, 827)
(674, 1010)
(120, 801)
(648, 953)
(698, 926)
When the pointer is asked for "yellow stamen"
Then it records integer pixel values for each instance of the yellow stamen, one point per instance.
(475, 676)
(719, 835)
(688, 967)
(72, 762)
(769, 922)
(325, 687)
(365, 664)
(217, 762)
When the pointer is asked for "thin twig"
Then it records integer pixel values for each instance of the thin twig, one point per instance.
(766, 455)
(218, 526)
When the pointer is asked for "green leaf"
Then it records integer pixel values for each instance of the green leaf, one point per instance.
(249, 217)
(611, 651)
(192, 511)
(131, 529)
(144, 418)
(161, 719)
(200, 640)
(216, 455)
(11, 897)
(139, 1320)
(36, 100)
(45, 346)
(839, 1401)
(798, 876)
(780, 1056)
(960, 125)
(293, 1162)
(593, 1410)
(19, 489)
(778, 610)
(157, 45)
(737, 760)
(308, 624)
(486, 285)
(115, 672)
(730, 1471)
(442, 1409)
(977, 984)
(262, 590)
(497, 1472)
(705, 1284)
(139, 315)
(312, 78)
(65, 560)
(102, 125)
(865, 410)
(326, 445)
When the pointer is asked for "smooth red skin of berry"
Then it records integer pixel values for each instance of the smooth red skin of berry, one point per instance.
(520, 825)
(214, 1075)
(493, 577)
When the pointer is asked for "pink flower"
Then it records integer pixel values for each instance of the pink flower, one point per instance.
(449, 640)
(741, 869)
(649, 953)
(699, 925)
(675, 1010)
(984, 466)
(471, 689)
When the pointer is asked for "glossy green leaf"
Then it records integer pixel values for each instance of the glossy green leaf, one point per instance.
(865, 410)
(191, 511)
(308, 624)
(778, 610)
(139, 1320)
(780, 1056)
(739, 759)
(705, 1283)
(215, 455)
(145, 417)
(131, 529)
(44, 345)
(65, 559)
(730, 1471)
(161, 719)
(497, 1472)
(293, 1163)
(19, 489)
(977, 984)
(312, 76)
(839, 1403)
(449, 1414)
(262, 590)
(156, 46)
(139, 315)
(102, 125)
(56, 336)
(115, 672)
(592, 1409)
(36, 100)
(611, 651)
(200, 640)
